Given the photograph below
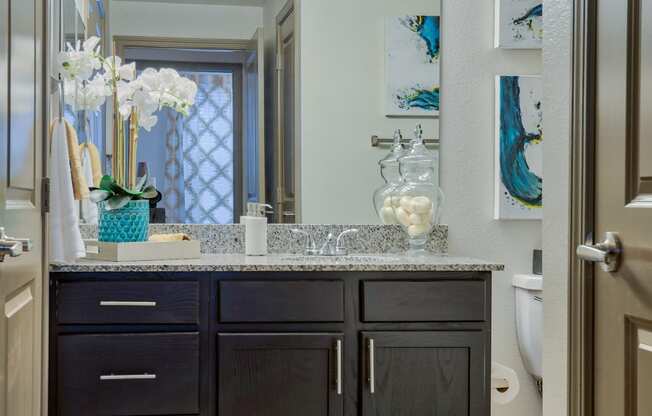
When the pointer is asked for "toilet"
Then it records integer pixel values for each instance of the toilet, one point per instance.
(528, 298)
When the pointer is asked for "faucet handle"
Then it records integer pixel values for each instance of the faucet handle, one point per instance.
(339, 249)
(311, 247)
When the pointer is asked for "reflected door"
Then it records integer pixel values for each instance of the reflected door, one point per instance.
(253, 162)
(623, 299)
(196, 160)
(21, 103)
(285, 151)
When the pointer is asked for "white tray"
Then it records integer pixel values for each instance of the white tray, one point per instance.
(142, 251)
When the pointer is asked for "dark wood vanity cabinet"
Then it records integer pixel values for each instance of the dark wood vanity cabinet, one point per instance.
(424, 373)
(290, 374)
(270, 344)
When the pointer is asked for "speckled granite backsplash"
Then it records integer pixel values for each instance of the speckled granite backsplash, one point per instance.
(229, 239)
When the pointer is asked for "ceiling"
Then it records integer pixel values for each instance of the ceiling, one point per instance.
(258, 3)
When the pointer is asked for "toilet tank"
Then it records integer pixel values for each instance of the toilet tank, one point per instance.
(528, 298)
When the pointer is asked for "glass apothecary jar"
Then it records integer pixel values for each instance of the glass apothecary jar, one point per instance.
(418, 198)
(389, 170)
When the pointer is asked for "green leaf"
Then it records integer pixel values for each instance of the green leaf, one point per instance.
(141, 183)
(117, 202)
(149, 192)
(98, 195)
(107, 182)
(121, 190)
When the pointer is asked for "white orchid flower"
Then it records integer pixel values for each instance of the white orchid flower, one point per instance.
(86, 96)
(150, 79)
(147, 121)
(99, 86)
(113, 67)
(168, 76)
(86, 87)
(91, 44)
(81, 61)
(187, 90)
(110, 63)
(145, 103)
(127, 72)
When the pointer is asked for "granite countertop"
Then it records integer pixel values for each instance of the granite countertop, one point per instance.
(289, 263)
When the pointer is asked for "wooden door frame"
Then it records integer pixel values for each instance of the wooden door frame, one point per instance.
(582, 209)
(289, 10)
(121, 43)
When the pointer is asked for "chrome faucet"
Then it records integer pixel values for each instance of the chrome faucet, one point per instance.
(331, 247)
(310, 248)
(328, 248)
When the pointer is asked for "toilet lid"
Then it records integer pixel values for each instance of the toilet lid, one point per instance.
(528, 281)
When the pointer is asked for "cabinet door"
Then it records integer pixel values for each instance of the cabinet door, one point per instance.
(280, 374)
(425, 374)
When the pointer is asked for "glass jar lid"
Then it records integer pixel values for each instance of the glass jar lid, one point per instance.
(395, 152)
(418, 163)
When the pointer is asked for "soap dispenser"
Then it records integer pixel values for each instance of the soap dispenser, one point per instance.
(255, 223)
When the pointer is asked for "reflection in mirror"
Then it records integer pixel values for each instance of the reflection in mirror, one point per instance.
(288, 94)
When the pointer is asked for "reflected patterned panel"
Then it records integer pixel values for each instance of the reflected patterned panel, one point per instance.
(199, 168)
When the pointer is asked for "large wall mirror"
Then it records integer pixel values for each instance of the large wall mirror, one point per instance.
(288, 96)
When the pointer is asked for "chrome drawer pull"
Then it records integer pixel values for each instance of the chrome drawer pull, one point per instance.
(338, 381)
(113, 377)
(127, 303)
(371, 376)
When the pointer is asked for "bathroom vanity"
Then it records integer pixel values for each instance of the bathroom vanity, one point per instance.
(276, 336)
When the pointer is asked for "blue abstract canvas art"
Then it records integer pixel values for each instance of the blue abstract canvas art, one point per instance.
(412, 48)
(519, 138)
(519, 24)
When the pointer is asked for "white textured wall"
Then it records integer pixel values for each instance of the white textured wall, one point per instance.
(342, 104)
(558, 19)
(470, 64)
(134, 18)
(342, 83)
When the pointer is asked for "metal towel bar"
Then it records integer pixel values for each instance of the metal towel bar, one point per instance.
(377, 141)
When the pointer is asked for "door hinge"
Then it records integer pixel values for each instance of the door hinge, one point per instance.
(45, 195)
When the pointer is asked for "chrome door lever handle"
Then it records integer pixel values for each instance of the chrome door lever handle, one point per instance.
(591, 253)
(25, 243)
(9, 248)
(607, 253)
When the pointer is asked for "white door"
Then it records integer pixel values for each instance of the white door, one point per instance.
(21, 167)
(622, 285)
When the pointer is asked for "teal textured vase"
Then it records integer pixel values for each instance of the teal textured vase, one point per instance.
(127, 224)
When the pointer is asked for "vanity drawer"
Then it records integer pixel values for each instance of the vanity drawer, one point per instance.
(424, 301)
(128, 303)
(128, 374)
(281, 301)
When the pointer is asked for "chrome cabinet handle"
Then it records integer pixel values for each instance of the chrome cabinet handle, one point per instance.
(606, 253)
(338, 381)
(115, 377)
(371, 372)
(142, 304)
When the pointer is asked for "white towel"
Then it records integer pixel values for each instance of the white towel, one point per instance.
(65, 241)
(89, 211)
